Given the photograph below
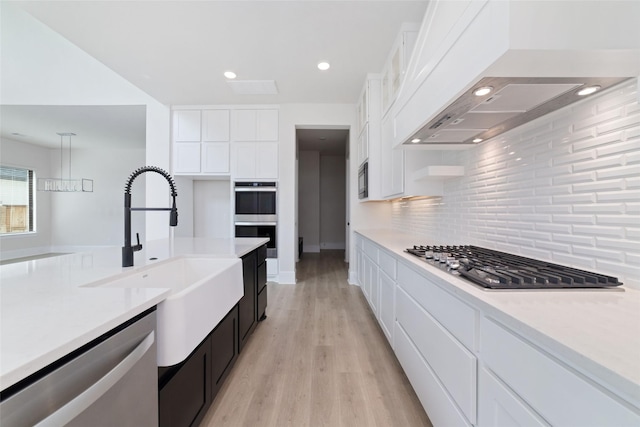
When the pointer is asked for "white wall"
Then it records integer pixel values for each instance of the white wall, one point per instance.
(20, 154)
(309, 200)
(81, 221)
(212, 209)
(363, 215)
(564, 188)
(40, 67)
(332, 202)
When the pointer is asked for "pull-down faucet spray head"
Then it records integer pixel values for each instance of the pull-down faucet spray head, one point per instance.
(127, 249)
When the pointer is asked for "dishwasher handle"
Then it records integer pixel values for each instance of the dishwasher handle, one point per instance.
(79, 404)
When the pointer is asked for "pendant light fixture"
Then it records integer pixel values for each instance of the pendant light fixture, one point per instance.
(69, 184)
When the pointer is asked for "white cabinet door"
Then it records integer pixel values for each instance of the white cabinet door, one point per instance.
(186, 125)
(267, 125)
(386, 313)
(363, 145)
(392, 162)
(186, 157)
(254, 125)
(498, 406)
(215, 125)
(215, 157)
(244, 160)
(374, 295)
(243, 125)
(266, 160)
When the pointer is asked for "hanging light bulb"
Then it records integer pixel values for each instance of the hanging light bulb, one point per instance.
(61, 184)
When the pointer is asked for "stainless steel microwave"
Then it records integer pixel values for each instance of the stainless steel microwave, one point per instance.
(363, 181)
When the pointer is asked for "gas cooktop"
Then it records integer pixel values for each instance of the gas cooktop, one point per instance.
(499, 270)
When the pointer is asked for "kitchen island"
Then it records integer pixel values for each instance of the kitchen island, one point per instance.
(482, 357)
(48, 312)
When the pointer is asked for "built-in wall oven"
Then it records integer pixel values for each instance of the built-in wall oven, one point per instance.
(256, 212)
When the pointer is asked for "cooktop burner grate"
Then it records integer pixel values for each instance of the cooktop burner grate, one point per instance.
(499, 270)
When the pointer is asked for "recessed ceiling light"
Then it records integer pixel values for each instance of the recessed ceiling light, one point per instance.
(323, 66)
(476, 140)
(230, 74)
(323, 138)
(416, 140)
(588, 90)
(482, 91)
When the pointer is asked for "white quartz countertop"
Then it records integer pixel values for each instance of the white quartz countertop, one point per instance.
(594, 331)
(45, 312)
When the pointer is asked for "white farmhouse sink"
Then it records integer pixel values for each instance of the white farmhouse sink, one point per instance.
(203, 290)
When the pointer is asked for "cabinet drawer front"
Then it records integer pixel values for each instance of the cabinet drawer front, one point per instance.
(453, 314)
(560, 396)
(371, 249)
(387, 263)
(435, 400)
(498, 406)
(454, 365)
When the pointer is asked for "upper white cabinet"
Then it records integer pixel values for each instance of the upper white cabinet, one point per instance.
(396, 65)
(201, 142)
(254, 125)
(186, 126)
(254, 152)
(215, 125)
(255, 160)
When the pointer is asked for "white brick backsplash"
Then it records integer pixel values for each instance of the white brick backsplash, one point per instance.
(572, 199)
(612, 208)
(593, 187)
(620, 172)
(599, 253)
(599, 231)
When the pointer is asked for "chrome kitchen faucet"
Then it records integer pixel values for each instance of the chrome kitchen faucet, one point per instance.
(127, 249)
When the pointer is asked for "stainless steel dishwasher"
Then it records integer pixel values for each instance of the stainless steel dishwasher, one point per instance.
(113, 381)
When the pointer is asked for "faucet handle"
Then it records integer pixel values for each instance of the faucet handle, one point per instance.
(138, 246)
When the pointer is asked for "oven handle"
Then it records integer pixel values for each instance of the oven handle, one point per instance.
(255, 189)
(250, 223)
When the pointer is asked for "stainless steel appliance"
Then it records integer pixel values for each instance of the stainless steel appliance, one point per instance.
(112, 381)
(363, 181)
(499, 270)
(256, 212)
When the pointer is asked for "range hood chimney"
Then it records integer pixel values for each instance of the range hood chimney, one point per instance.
(536, 56)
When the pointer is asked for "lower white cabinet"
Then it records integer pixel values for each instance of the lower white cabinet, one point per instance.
(559, 395)
(469, 368)
(387, 309)
(254, 160)
(499, 406)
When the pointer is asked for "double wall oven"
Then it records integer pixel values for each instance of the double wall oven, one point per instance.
(256, 212)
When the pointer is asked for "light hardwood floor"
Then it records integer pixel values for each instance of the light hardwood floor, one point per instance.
(319, 359)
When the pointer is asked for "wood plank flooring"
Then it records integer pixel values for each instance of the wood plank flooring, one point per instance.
(319, 359)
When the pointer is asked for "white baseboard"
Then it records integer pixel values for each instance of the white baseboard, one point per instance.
(286, 278)
(311, 248)
(353, 277)
(332, 246)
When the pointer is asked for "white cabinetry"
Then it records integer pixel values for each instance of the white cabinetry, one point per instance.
(443, 330)
(201, 142)
(469, 367)
(254, 125)
(556, 393)
(499, 406)
(254, 148)
(396, 64)
(392, 162)
(369, 120)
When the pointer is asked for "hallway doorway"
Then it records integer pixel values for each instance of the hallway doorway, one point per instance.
(322, 208)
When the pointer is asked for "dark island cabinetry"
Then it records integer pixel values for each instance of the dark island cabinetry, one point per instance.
(186, 390)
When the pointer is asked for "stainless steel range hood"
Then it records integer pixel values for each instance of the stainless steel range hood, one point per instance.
(510, 102)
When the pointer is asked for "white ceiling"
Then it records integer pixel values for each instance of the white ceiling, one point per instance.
(176, 51)
(117, 127)
(327, 141)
